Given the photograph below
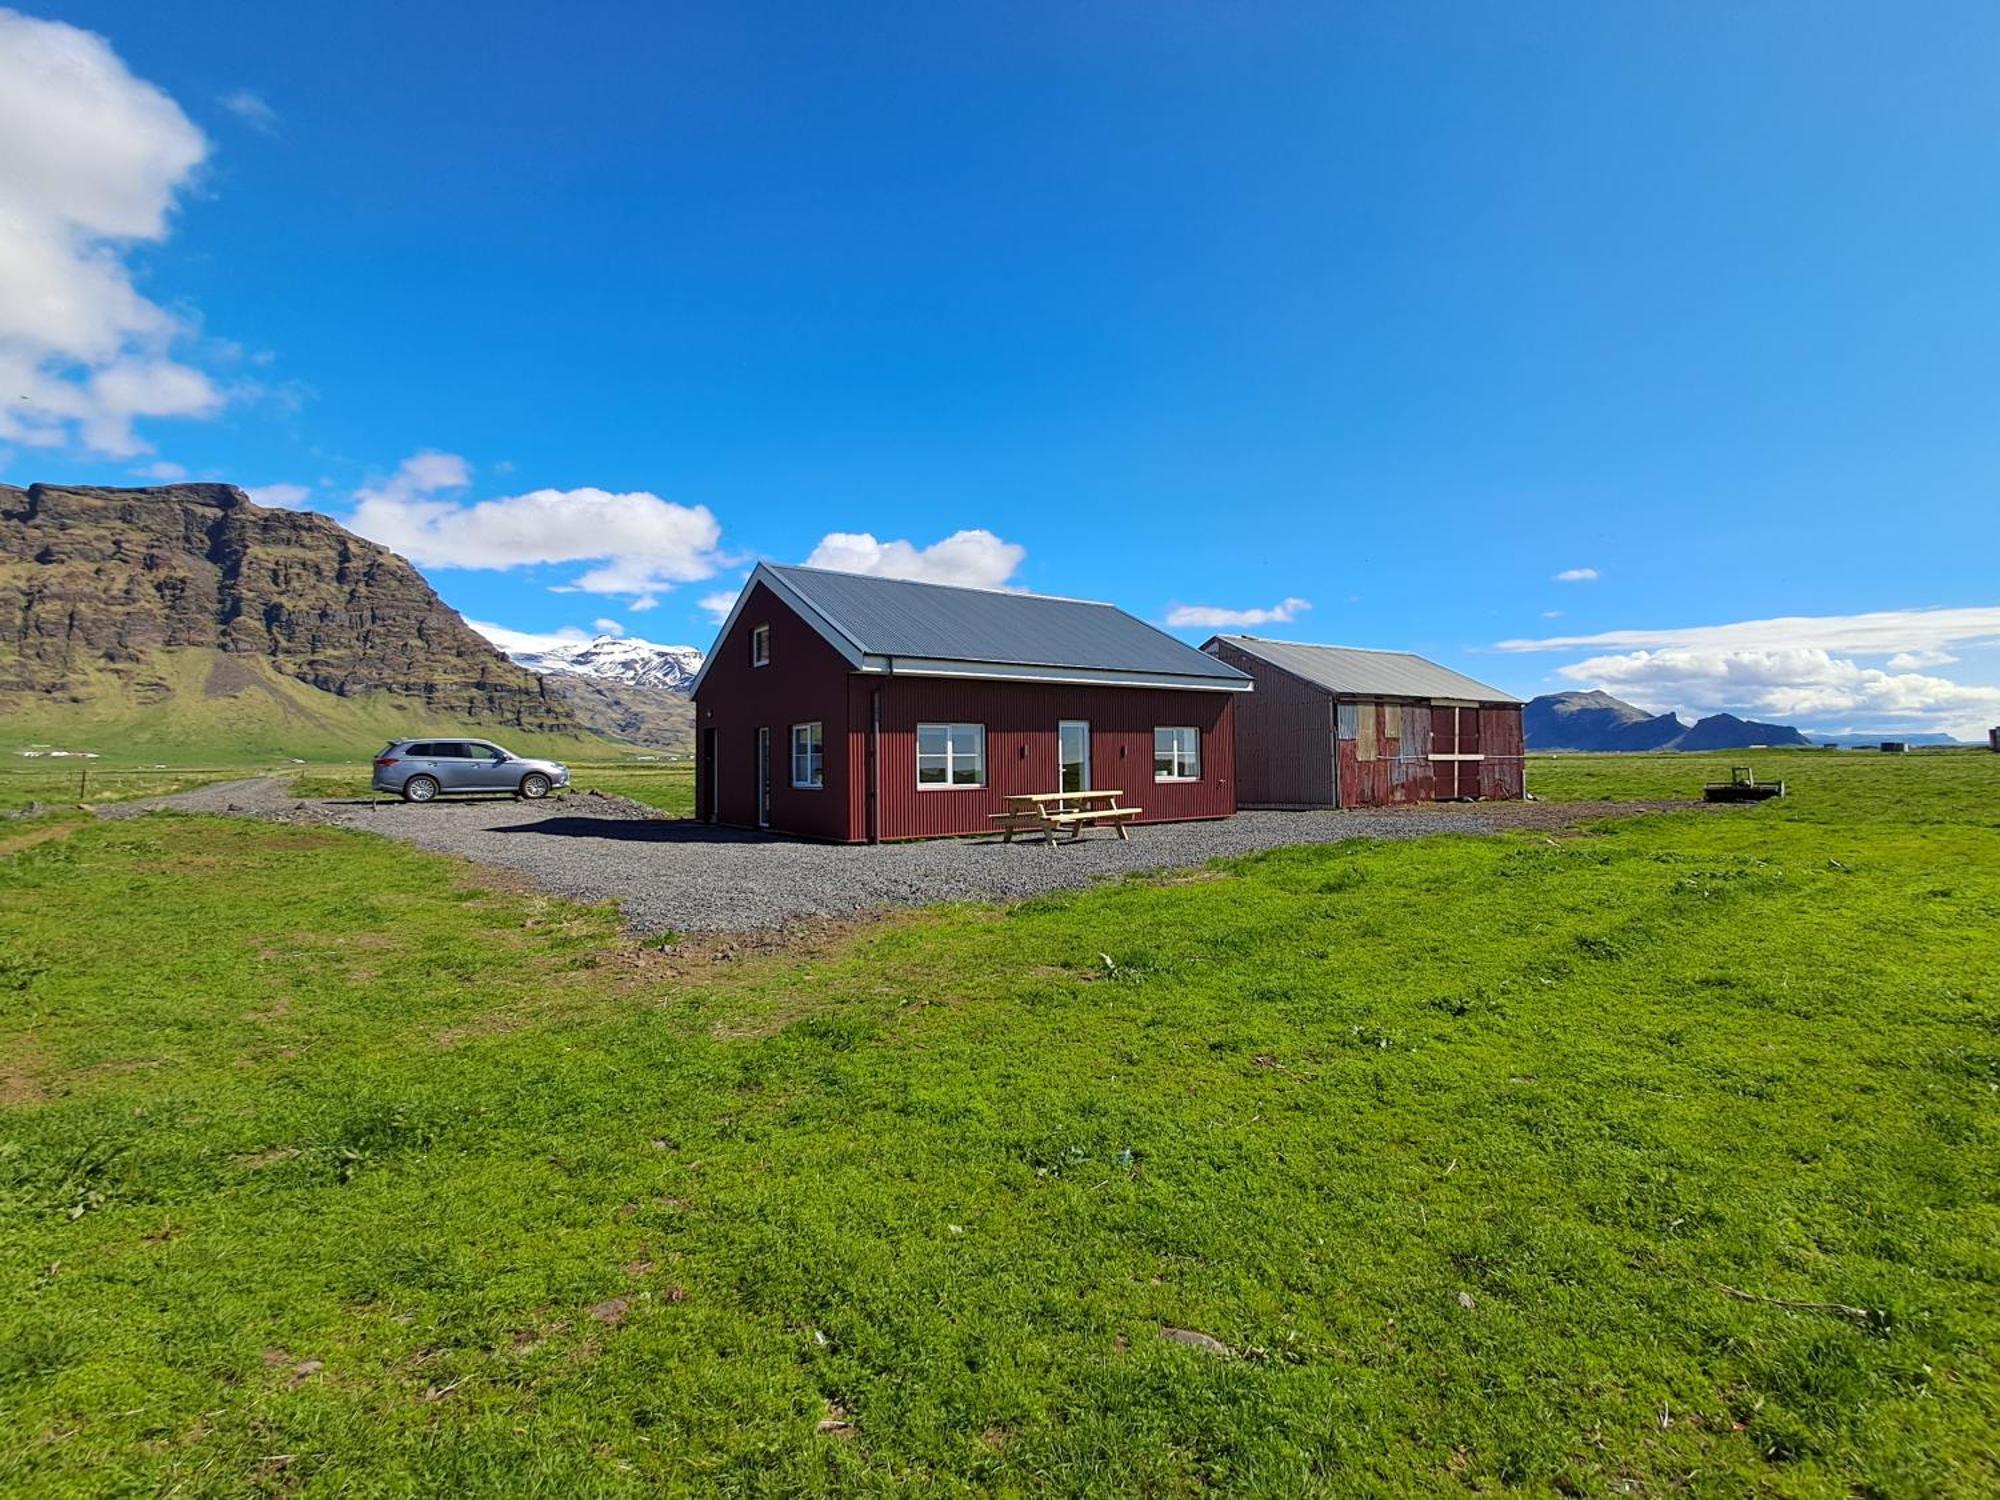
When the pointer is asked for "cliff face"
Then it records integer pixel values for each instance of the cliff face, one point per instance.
(94, 583)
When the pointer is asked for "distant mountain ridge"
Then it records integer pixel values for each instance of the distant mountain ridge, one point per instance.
(617, 659)
(1598, 721)
(629, 689)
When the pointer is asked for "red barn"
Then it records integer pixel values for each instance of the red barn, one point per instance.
(843, 706)
(1333, 726)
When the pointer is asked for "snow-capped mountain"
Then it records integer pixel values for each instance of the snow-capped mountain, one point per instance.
(616, 659)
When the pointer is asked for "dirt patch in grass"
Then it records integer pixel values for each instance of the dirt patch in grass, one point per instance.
(19, 1087)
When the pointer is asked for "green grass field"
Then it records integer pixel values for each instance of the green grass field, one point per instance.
(1660, 1158)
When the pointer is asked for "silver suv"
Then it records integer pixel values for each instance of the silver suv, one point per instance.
(418, 770)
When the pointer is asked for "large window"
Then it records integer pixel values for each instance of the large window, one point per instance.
(760, 646)
(1176, 754)
(808, 756)
(950, 755)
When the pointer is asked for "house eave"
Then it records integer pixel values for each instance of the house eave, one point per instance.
(977, 671)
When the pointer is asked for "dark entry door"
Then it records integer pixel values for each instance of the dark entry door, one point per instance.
(763, 778)
(709, 760)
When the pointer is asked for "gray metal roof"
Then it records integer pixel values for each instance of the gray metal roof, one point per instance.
(1019, 634)
(1350, 671)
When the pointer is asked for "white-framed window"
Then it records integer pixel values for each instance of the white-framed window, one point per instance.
(950, 756)
(760, 646)
(808, 756)
(1177, 754)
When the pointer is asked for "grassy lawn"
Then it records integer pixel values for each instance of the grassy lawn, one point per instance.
(1655, 1159)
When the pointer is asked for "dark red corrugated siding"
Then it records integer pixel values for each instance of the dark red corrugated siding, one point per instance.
(1021, 720)
(806, 682)
(1284, 736)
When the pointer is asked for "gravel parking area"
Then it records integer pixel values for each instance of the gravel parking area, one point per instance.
(676, 875)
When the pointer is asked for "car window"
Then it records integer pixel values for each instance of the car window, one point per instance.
(486, 752)
(448, 750)
(421, 750)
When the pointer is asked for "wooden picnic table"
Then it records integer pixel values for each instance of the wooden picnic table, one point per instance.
(1049, 812)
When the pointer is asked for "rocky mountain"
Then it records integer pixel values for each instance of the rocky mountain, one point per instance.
(1598, 721)
(627, 689)
(618, 659)
(187, 608)
(658, 718)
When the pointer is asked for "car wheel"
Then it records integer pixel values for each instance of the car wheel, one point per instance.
(534, 786)
(420, 789)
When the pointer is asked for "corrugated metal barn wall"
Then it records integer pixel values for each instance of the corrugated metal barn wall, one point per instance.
(1284, 736)
(1021, 722)
(1384, 753)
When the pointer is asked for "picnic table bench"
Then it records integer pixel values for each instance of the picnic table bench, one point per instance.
(1048, 813)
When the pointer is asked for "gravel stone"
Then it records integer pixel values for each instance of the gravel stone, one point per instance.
(676, 875)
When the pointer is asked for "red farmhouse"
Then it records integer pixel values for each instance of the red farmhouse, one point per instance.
(1334, 726)
(841, 706)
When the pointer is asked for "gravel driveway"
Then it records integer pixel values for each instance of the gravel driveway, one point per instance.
(675, 875)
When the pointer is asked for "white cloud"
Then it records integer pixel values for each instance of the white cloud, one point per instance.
(164, 472)
(1552, 614)
(718, 605)
(1811, 668)
(1208, 617)
(1806, 683)
(512, 641)
(607, 627)
(971, 559)
(250, 108)
(1577, 575)
(279, 496)
(1876, 634)
(93, 164)
(641, 545)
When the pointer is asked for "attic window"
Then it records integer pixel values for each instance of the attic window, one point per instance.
(760, 646)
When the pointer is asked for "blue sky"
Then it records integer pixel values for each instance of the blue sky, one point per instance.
(1378, 320)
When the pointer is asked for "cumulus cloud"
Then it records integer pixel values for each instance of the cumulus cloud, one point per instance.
(640, 544)
(251, 109)
(1209, 617)
(1577, 575)
(1813, 668)
(718, 605)
(1913, 661)
(607, 627)
(93, 164)
(971, 559)
(279, 496)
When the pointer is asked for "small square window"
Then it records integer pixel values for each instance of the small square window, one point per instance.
(760, 646)
(808, 756)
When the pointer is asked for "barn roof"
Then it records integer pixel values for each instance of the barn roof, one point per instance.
(1350, 671)
(891, 625)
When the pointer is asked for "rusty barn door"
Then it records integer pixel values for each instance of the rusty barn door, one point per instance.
(1455, 752)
